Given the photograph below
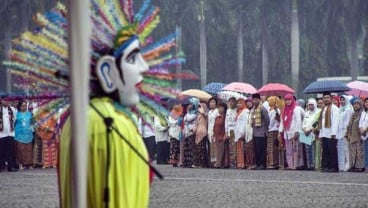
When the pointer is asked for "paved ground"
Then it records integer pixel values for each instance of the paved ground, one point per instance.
(210, 188)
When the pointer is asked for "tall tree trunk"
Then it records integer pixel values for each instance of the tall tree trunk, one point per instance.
(265, 62)
(240, 53)
(295, 47)
(202, 47)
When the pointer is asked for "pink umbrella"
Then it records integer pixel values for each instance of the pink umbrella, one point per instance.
(275, 89)
(358, 88)
(240, 87)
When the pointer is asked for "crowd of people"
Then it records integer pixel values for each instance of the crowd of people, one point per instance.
(22, 144)
(325, 134)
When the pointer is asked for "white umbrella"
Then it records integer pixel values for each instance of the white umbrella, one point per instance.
(225, 95)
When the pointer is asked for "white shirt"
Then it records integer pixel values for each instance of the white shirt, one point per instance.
(174, 128)
(344, 119)
(145, 130)
(328, 132)
(6, 123)
(162, 133)
(230, 120)
(274, 124)
(212, 114)
(295, 125)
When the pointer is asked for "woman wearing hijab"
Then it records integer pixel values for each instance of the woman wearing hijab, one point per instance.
(175, 120)
(240, 124)
(354, 138)
(249, 146)
(201, 153)
(291, 125)
(272, 142)
(190, 119)
(212, 114)
(345, 113)
(310, 119)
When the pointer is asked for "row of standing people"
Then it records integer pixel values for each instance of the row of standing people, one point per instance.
(246, 133)
(20, 146)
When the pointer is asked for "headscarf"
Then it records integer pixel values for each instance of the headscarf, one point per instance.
(243, 107)
(273, 102)
(337, 99)
(313, 102)
(288, 111)
(177, 111)
(347, 104)
(195, 102)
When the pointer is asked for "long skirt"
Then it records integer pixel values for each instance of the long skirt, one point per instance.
(318, 156)
(249, 155)
(272, 150)
(23, 153)
(232, 146)
(49, 153)
(357, 155)
(240, 160)
(294, 153)
(201, 154)
(188, 151)
(174, 151)
(37, 151)
(343, 154)
(223, 156)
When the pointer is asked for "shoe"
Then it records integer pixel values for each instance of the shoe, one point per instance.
(12, 170)
(325, 170)
(260, 167)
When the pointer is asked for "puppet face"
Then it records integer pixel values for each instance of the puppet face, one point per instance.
(126, 78)
(132, 65)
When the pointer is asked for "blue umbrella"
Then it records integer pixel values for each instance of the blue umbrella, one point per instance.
(213, 87)
(326, 86)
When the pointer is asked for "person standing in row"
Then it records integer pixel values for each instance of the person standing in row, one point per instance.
(222, 144)
(240, 123)
(260, 123)
(212, 114)
(273, 129)
(229, 129)
(190, 120)
(329, 122)
(201, 153)
(291, 125)
(7, 119)
(162, 140)
(345, 113)
(353, 136)
(175, 120)
(24, 136)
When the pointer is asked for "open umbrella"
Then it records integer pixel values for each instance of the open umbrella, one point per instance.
(358, 88)
(326, 86)
(275, 89)
(240, 87)
(201, 95)
(225, 95)
(213, 87)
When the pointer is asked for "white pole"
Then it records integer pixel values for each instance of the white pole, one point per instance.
(79, 47)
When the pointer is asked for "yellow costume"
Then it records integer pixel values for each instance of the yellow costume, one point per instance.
(128, 174)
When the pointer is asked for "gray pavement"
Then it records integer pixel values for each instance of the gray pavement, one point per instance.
(209, 188)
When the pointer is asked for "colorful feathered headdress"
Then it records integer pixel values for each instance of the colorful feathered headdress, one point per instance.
(36, 56)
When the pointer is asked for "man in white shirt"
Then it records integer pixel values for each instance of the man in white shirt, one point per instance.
(329, 126)
(148, 135)
(7, 119)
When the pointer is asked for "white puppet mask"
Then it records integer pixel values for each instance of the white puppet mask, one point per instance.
(127, 78)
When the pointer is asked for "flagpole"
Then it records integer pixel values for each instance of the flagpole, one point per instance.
(79, 47)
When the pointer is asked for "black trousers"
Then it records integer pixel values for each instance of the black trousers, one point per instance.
(260, 144)
(329, 153)
(150, 143)
(7, 153)
(163, 151)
